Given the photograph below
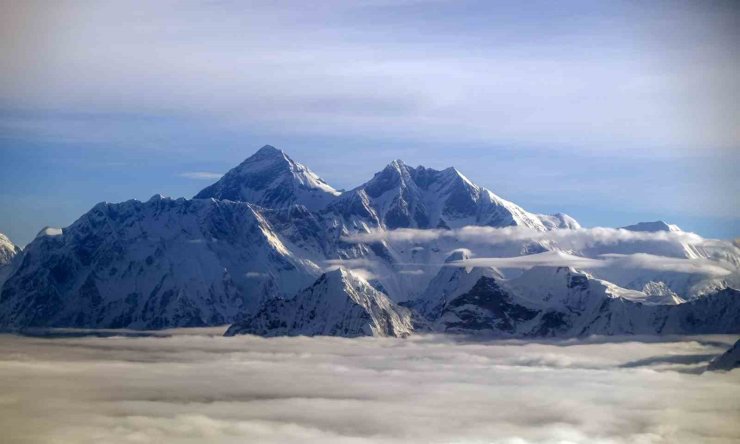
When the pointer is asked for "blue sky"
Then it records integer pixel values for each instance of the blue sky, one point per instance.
(613, 112)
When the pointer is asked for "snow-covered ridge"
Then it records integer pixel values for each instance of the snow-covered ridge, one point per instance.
(398, 196)
(401, 196)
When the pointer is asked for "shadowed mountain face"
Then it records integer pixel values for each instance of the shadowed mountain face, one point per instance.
(259, 246)
(339, 303)
(585, 307)
(728, 360)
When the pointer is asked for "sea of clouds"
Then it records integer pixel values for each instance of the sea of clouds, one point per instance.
(196, 386)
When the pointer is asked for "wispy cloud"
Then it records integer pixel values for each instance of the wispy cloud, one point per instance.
(641, 261)
(572, 239)
(201, 175)
(598, 248)
(411, 71)
(548, 259)
(644, 261)
(412, 272)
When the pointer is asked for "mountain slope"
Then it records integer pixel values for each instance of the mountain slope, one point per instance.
(271, 179)
(156, 264)
(339, 303)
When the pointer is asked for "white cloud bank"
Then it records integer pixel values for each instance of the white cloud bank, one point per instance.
(199, 388)
(572, 239)
(596, 248)
(641, 261)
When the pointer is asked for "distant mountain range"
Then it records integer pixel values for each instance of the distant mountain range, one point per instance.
(274, 250)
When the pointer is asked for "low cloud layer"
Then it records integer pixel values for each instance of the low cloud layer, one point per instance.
(199, 388)
(641, 261)
(646, 261)
(594, 248)
(571, 239)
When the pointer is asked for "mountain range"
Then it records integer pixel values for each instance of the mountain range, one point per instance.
(273, 249)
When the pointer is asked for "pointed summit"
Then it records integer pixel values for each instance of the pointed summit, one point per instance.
(268, 151)
(271, 179)
(397, 165)
(395, 176)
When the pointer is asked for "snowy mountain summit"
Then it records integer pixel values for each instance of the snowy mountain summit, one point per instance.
(271, 179)
(275, 250)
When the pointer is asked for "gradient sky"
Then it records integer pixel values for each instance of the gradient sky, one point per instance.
(613, 112)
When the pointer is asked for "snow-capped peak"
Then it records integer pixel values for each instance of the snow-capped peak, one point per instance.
(8, 250)
(457, 255)
(49, 231)
(271, 179)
